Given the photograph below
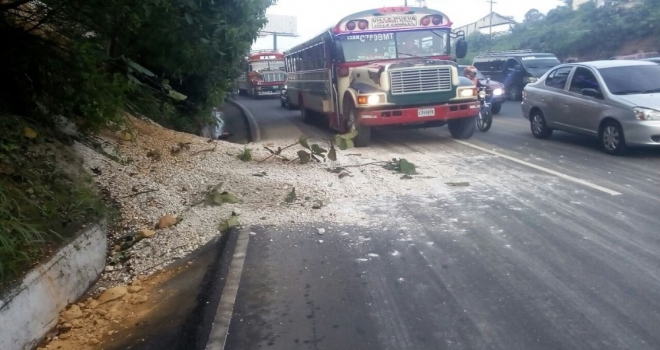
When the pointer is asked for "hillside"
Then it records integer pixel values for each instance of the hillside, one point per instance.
(588, 33)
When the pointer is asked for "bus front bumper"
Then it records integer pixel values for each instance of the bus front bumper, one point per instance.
(415, 115)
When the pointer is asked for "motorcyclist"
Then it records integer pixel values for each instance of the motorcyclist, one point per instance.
(471, 73)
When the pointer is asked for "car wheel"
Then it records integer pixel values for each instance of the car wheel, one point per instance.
(496, 108)
(540, 129)
(462, 128)
(364, 132)
(612, 139)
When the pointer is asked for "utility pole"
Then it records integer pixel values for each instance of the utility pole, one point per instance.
(490, 27)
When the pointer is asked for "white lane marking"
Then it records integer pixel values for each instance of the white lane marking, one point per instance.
(549, 171)
(220, 327)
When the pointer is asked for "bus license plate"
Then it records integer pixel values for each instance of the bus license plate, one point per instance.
(426, 112)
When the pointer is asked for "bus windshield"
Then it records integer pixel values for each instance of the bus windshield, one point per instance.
(382, 46)
(267, 65)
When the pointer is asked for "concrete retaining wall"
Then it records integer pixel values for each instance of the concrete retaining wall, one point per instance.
(30, 310)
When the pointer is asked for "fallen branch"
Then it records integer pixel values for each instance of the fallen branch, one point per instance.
(206, 150)
(359, 165)
(277, 153)
(138, 193)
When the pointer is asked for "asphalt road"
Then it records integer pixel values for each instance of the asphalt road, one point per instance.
(537, 253)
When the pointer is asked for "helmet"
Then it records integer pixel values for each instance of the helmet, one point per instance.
(470, 71)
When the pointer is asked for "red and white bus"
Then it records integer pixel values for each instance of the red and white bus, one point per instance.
(386, 66)
(263, 74)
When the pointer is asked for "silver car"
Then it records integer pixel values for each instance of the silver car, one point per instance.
(617, 101)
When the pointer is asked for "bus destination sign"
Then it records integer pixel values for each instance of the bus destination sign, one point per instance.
(394, 21)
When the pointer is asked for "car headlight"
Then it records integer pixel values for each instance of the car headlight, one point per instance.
(531, 79)
(646, 113)
(498, 92)
(466, 93)
(373, 99)
(482, 94)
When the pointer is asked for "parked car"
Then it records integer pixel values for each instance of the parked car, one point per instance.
(515, 69)
(616, 101)
(495, 92)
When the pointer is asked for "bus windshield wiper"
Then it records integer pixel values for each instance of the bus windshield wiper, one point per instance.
(409, 54)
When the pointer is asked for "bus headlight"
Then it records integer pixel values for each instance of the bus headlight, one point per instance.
(373, 100)
(466, 92)
(498, 92)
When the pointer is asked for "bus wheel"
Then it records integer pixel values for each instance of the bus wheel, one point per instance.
(462, 128)
(364, 132)
(304, 112)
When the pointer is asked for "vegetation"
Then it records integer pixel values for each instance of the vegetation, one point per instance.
(88, 62)
(587, 33)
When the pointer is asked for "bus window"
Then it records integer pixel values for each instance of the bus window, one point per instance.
(422, 43)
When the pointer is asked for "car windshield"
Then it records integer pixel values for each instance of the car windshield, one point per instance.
(381, 46)
(539, 62)
(628, 80)
(267, 65)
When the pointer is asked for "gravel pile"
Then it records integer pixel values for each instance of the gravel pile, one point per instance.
(161, 173)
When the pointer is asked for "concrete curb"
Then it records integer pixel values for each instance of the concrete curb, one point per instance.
(220, 327)
(30, 310)
(255, 132)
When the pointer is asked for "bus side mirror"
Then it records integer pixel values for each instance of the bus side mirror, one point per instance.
(461, 48)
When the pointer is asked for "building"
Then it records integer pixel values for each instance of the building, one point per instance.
(485, 25)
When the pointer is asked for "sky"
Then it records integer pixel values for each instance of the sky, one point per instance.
(315, 16)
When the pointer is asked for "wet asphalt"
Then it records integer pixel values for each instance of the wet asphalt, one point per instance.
(520, 259)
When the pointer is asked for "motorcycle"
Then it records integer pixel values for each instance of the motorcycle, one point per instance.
(485, 118)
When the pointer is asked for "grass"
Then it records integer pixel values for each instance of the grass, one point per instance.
(45, 196)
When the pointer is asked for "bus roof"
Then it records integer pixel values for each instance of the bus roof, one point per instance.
(382, 19)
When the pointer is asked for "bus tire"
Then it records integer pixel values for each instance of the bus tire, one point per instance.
(462, 128)
(364, 132)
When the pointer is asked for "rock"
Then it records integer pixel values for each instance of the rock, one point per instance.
(93, 304)
(343, 174)
(136, 283)
(321, 231)
(166, 221)
(93, 341)
(146, 233)
(134, 289)
(317, 204)
(102, 312)
(100, 322)
(64, 336)
(320, 241)
(65, 327)
(72, 313)
(112, 294)
(77, 323)
(139, 299)
(109, 268)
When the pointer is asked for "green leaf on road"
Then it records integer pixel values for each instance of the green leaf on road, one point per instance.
(303, 141)
(406, 167)
(291, 197)
(304, 157)
(318, 150)
(332, 155)
(228, 198)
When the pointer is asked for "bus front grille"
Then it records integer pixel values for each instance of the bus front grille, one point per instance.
(407, 81)
(270, 77)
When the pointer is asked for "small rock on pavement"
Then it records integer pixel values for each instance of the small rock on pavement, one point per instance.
(166, 221)
(317, 204)
(146, 233)
(72, 313)
(93, 341)
(112, 294)
(321, 231)
(343, 174)
(134, 289)
(320, 241)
